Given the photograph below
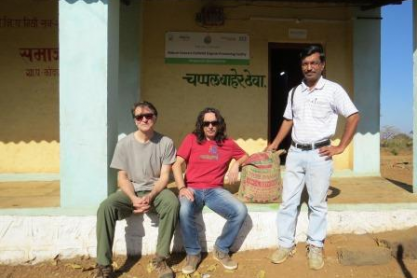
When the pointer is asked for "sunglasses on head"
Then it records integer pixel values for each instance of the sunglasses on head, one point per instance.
(213, 123)
(147, 116)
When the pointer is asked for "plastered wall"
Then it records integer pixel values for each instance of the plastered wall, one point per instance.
(29, 116)
(245, 109)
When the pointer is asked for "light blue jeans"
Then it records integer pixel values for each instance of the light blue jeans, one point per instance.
(310, 169)
(223, 203)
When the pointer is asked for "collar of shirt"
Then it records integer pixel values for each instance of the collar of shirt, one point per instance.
(319, 85)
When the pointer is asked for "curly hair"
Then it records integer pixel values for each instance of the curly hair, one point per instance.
(221, 127)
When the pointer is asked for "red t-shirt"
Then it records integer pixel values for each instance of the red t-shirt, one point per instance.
(207, 163)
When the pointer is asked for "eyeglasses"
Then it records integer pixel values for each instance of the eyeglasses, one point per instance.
(147, 116)
(313, 64)
(213, 123)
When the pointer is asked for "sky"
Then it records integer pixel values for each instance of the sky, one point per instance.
(397, 67)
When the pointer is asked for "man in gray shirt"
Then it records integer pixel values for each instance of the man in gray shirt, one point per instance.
(143, 160)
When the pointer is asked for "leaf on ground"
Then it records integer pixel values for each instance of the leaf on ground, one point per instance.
(30, 260)
(74, 266)
(55, 260)
(85, 257)
(212, 268)
(54, 263)
(150, 267)
(184, 276)
(175, 268)
(381, 243)
(88, 268)
(196, 275)
(115, 266)
(261, 274)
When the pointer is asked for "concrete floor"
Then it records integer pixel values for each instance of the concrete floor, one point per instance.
(369, 190)
(29, 194)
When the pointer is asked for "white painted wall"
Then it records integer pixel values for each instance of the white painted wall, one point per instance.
(415, 96)
(366, 79)
(88, 68)
(38, 238)
(129, 64)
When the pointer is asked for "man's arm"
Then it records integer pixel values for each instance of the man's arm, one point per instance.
(350, 129)
(283, 131)
(126, 186)
(161, 183)
(179, 179)
(233, 173)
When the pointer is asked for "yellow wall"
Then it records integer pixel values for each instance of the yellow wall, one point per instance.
(29, 114)
(29, 117)
(245, 109)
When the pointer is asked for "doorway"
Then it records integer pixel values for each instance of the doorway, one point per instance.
(284, 74)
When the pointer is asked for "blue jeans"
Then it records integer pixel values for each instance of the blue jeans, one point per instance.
(221, 202)
(313, 170)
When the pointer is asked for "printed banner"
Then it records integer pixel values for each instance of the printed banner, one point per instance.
(206, 48)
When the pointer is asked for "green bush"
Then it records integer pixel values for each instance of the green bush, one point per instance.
(397, 143)
(394, 151)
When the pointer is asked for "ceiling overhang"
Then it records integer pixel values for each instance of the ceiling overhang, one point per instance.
(363, 4)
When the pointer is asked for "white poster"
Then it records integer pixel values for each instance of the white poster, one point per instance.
(206, 48)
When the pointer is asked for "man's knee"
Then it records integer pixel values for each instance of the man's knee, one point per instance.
(169, 200)
(241, 211)
(104, 206)
(186, 207)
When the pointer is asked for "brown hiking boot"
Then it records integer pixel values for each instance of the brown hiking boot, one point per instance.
(224, 259)
(315, 257)
(282, 254)
(192, 262)
(104, 271)
(163, 269)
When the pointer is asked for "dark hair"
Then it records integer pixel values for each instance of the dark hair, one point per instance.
(221, 127)
(147, 104)
(314, 48)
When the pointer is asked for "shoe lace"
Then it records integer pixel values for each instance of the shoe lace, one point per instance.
(160, 265)
(314, 251)
(224, 257)
(284, 251)
(192, 259)
(105, 270)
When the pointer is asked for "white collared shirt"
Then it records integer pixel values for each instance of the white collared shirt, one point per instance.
(316, 111)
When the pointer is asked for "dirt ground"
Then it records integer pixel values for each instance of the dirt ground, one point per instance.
(255, 264)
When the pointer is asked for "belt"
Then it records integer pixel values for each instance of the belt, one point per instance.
(311, 146)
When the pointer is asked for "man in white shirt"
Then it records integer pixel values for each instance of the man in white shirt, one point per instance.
(312, 111)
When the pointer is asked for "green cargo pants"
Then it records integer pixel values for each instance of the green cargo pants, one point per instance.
(118, 206)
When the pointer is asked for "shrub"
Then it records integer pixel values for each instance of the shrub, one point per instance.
(394, 151)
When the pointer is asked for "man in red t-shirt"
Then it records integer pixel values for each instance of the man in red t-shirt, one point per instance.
(207, 153)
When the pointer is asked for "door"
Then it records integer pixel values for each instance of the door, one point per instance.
(284, 74)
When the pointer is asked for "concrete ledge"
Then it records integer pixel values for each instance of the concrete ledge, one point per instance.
(39, 238)
(6, 177)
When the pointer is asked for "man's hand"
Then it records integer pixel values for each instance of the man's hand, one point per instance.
(141, 204)
(187, 193)
(233, 173)
(330, 151)
(271, 148)
(350, 129)
(283, 131)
